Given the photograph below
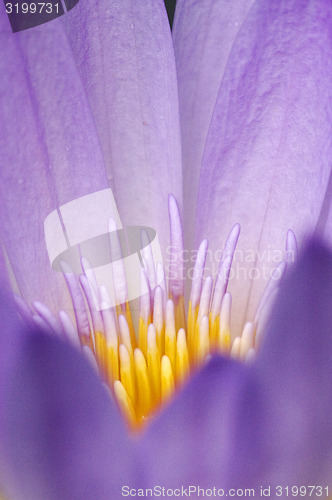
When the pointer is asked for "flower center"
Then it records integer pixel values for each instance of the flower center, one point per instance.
(144, 368)
(143, 372)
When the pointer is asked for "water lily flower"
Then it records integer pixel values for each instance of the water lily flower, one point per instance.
(89, 102)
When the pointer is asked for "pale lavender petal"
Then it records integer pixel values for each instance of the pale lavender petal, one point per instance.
(63, 436)
(324, 226)
(50, 151)
(268, 154)
(176, 273)
(77, 297)
(197, 274)
(291, 247)
(125, 59)
(203, 33)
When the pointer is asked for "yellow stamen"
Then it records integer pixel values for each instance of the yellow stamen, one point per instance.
(214, 331)
(167, 378)
(154, 364)
(170, 335)
(125, 403)
(111, 348)
(144, 377)
(203, 341)
(125, 336)
(112, 363)
(144, 370)
(158, 320)
(144, 403)
(236, 347)
(179, 313)
(143, 335)
(224, 336)
(182, 357)
(143, 373)
(192, 317)
(127, 373)
(100, 342)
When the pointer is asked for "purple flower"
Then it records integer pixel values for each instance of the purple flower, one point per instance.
(90, 101)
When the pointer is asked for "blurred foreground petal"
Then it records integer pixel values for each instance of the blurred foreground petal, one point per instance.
(236, 426)
(295, 370)
(64, 438)
(191, 441)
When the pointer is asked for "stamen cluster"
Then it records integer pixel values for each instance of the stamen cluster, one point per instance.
(143, 368)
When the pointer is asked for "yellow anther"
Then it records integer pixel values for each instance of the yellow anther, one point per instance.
(153, 364)
(112, 345)
(124, 402)
(167, 379)
(224, 340)
(100, 343)
(143, 377)
(143, 335)
(170, 335)
(144, 402)
(127, 373)
(182, 357)
(130, 325)
(214, 332)
(203, 341)
(235, 350)
(158, 320)
(124, 310)
(247, 340)
(191, 328)
(179, 313)
(125, 335)
(88, 341)
(112, 363)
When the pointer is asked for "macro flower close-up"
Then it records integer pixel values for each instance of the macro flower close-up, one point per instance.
(166, 250)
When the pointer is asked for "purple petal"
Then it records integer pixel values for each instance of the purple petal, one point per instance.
(11, 331)
(10, 340)
(176, 274)
(270, 424)
(64, 438)
(295, 368)
(268, 154)
(50, 151)
(324, 226)
(283, 431)
(190, 442)
(203, 34)
(125, 59)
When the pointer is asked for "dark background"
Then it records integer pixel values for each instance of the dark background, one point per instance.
(170, 7)
(21, 21)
